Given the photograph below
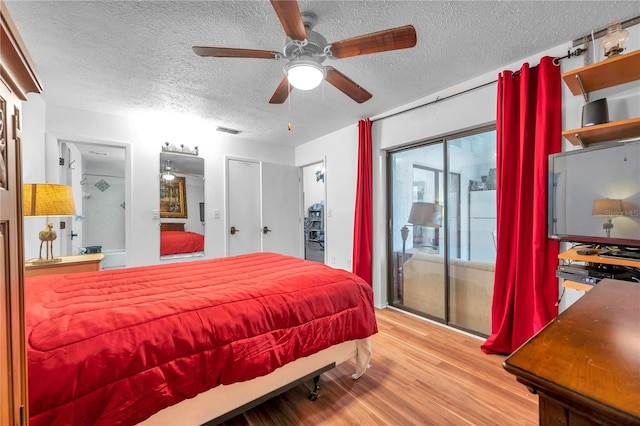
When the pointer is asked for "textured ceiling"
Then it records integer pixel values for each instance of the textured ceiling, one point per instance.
(131, 57)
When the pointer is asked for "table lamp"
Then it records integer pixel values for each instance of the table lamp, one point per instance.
(425, 214)
(607, 207)
(46, 199)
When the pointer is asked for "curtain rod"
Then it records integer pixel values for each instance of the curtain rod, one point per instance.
(577, 52)
(438, 99)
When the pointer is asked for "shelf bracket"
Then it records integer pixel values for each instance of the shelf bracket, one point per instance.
(584, 92)
(579, 139)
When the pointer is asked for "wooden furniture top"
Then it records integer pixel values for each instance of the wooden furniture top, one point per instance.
(66, 261)
(18, 70)
(572, 254)
(609, 72)
(589, 354)
(172, 226)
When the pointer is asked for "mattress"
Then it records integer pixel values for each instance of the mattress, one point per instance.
(114, 347)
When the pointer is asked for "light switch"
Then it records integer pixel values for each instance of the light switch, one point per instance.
(216, 214)
(156, 213)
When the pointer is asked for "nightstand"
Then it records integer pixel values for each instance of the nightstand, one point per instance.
(68, 265)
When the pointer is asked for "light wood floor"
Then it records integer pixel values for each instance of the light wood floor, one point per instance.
(421, 374)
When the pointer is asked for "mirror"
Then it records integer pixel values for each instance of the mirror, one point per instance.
(181, 206)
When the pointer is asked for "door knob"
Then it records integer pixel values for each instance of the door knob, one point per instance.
(265, 230)
(233, 230)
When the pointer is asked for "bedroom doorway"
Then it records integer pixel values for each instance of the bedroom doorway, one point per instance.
(313, 201)
(96, 172)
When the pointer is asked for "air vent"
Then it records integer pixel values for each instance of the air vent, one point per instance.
(226, 130)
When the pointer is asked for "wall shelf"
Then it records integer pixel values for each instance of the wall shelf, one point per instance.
(576, 285)
(610, 72)
(623, 129)
(607, 73)
(572, 255)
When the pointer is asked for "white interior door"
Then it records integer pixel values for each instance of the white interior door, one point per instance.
(281, 209)
(244, 233)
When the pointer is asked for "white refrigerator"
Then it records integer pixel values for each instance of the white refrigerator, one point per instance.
(482, 226)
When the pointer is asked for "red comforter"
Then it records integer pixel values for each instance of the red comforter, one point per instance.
(175, 242)
(114, 347)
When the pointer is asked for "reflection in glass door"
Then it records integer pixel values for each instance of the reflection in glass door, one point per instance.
(417, 190)
(442, 229)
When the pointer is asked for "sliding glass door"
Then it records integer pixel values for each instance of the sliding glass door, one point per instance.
(442, 229)
(417, 188)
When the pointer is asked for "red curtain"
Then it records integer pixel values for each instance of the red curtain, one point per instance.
(363, 220)
(528, 126)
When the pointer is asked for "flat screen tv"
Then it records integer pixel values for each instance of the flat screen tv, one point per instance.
(594, 195)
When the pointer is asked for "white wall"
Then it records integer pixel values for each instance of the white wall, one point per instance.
(472, 109)
(142, 137)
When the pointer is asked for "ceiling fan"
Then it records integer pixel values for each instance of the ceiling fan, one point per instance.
(305, 50)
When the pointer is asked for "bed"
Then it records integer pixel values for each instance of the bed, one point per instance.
(187, 342)
(175, 240)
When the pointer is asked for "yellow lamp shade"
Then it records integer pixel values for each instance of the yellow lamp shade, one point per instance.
(47, 199)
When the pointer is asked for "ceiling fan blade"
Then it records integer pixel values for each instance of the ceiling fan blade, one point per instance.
(226, 52)
(346, 85)
(381, 41)
(282, 92)
(290, 17)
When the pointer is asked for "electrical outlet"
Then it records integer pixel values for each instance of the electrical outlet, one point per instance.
(155, 214)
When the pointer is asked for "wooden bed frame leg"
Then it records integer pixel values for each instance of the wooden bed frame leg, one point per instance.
(313, 395)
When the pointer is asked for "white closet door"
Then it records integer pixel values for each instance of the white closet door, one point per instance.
(243, 207)
(281, 209)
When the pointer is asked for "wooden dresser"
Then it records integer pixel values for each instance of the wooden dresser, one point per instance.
(585, 364)
(17, 78)
(66, 265)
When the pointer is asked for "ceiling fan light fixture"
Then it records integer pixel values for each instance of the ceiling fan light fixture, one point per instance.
(166, 171)
(304, 74)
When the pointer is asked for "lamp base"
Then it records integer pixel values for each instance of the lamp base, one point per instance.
(44, 261)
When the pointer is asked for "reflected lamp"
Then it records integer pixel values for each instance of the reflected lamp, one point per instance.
(425, 214)
(607, 207)
(45, 200)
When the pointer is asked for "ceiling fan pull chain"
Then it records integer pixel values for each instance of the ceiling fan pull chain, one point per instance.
(289, 126)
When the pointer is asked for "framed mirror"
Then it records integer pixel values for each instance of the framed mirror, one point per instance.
(181, 181)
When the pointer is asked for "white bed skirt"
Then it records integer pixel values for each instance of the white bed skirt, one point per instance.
(222, 399)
